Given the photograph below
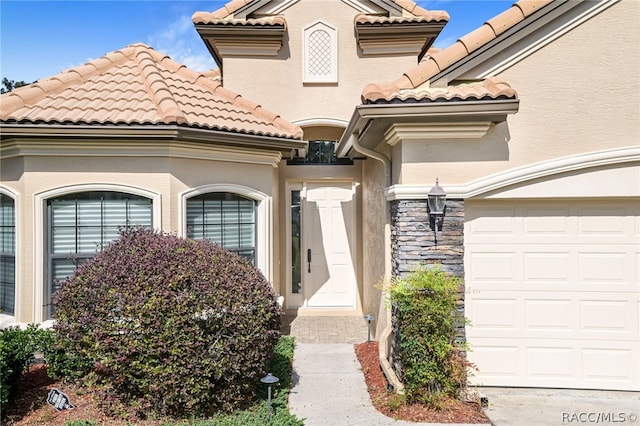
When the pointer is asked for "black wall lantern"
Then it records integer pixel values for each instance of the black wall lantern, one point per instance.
(437, 206)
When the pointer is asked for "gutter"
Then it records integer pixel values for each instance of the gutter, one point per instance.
(495, 110)
(384, 340)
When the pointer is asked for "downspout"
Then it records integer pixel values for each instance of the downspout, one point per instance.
(383, 341)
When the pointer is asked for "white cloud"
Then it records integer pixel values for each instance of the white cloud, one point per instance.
(182, 43)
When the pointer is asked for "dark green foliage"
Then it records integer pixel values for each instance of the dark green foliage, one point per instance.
(10, 85)
(80, 423)
(16, 351)
(432, 361)
(166, 325)
(259, 415)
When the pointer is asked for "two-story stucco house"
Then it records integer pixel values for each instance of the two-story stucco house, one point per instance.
(313, 147)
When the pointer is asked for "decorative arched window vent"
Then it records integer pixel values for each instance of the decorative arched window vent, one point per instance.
(320, 54)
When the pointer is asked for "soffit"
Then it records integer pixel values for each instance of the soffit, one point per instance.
(140, 86)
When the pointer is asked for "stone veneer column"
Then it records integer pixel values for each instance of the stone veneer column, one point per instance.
(413, 242)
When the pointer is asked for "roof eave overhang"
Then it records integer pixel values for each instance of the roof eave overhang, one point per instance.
(560, 15)
(397, 38)
(224, 40)
(151, 133)
(370, 122)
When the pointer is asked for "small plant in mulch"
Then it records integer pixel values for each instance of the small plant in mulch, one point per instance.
(165, 326)
(449, 410)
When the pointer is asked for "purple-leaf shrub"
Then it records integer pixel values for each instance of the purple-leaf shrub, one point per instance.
(169, 325)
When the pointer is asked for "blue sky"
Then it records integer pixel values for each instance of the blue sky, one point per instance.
(41, 38)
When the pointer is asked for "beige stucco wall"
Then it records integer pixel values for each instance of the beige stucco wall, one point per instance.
(168, 177)
(578, 94)
(276, 82)
(375, 256)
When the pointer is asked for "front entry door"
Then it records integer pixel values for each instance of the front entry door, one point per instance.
(328, 246)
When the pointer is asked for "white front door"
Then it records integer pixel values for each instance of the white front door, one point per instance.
(327, 247)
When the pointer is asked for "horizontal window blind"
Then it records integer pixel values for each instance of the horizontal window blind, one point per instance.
(226, 219)
(82, 224)
(7, 254)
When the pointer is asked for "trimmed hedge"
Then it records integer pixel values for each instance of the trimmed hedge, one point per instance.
(433, 363)
(166, 325)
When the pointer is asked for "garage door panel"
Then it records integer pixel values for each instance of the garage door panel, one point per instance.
(559, 315)
(547, 266)
(493, 313)
(555, 363)
(494, 266)
(605, 267)
(553, 295)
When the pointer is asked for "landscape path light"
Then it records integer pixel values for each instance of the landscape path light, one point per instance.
(269, 380)
(369, 318)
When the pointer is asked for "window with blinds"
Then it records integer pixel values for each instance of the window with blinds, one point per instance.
(226, 219)
(7, 254)
(80, 225)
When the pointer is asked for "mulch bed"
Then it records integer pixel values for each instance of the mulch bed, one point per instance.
(390, 404)
(29, 407)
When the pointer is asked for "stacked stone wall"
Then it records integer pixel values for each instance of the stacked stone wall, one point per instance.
(413, 243)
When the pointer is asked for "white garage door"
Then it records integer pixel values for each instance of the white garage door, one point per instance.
(553, 293)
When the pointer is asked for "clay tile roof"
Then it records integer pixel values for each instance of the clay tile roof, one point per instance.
(213, 74)
(437, 61)
(213, 19)
(489, 89)
(226, 13)
(418, 14)
(138, 85)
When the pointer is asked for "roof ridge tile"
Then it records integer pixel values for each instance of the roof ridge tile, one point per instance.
(157, 86)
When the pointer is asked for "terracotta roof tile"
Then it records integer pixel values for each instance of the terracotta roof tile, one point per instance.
(362, 19)
(502, 22)
(138, 85)
(489, 89)
(224, 15)
(214, 19)
(437, 61)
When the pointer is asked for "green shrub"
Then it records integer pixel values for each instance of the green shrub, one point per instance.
(432, 362)
(258, 414)
(17, 348)
(166, 325)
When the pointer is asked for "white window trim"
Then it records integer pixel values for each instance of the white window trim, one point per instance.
(4, 318)
(264, 230)
(333, 33)
(40, 206)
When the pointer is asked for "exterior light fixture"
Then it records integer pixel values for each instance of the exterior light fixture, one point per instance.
(369, 318)
(269, 380)
(437, 206)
